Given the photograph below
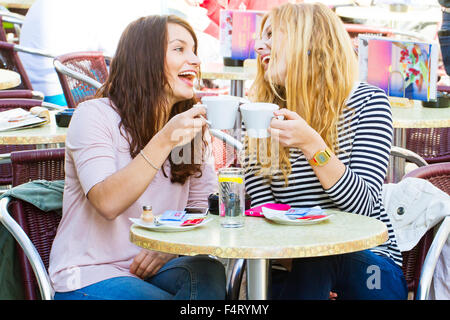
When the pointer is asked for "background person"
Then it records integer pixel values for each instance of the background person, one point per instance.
(60, 27)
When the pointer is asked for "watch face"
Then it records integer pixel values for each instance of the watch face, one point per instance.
(322, 158)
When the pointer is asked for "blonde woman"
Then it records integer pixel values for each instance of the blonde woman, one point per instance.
(334, 145)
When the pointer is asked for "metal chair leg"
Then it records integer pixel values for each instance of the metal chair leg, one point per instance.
(235, 271)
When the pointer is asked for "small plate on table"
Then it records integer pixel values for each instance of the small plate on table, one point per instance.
(162, 227)
(281, 217)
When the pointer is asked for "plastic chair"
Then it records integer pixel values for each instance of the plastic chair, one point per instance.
(33, 229)
(419, 263)
(8, 104)
(80, 75)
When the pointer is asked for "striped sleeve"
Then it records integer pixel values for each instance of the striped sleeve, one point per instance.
(359, 188)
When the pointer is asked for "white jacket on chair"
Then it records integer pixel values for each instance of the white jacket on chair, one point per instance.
(415, 206)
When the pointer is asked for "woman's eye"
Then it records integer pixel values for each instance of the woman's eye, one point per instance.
(179, 49)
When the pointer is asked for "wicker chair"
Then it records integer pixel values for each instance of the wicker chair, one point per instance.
(21, 94)
(433, 144)
(90, 64)
(10, 23)
(9, 59)
(33, 229)
(419, 262)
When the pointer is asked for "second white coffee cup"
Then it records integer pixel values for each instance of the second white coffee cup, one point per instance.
(257, 117)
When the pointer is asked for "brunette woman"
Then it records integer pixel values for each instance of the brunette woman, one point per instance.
(119, 157)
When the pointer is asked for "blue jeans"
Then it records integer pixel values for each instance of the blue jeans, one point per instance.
(183, 278)
(359, 275)
(444, 41)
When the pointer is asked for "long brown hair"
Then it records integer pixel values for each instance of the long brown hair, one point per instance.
(136, 85)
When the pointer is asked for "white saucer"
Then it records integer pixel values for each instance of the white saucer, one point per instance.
(283, 219)
(167, 227)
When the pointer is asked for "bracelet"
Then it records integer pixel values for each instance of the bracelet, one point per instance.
(148, 160)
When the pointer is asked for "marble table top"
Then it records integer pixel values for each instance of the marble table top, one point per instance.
(260, 238)
(46, 134)
(219, 71)
(420, 117)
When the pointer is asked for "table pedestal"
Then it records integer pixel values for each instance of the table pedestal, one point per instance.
(237, 88)
(396, 169)
(258, 279)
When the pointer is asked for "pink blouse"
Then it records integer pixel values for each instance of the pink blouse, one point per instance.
(87, 247)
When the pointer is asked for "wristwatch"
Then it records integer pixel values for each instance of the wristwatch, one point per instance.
(321, 158)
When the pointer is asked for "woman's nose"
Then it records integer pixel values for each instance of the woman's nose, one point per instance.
(259, 46)
(263, 46)
(194, 60)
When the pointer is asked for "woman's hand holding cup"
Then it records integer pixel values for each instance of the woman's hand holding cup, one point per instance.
(183, 127)
(293, 131)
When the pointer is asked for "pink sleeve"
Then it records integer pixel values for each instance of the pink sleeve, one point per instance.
(201, 188)
(89, 142)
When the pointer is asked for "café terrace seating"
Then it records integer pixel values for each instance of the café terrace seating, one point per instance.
(34, 229)
(80, 75)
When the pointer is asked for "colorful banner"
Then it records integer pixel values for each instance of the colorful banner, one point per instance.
(238, 31)
(402, 68)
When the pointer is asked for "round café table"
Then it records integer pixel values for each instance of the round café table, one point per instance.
(49, 133)
(260, 240)
(17, 4)
(45, 136)
(414, 117)
(9, 79)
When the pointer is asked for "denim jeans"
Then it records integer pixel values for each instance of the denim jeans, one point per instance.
(359, 275)
(444, 41)
(183, 278)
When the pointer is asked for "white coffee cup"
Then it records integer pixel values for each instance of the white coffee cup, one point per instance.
(257, 117)
(221, 111)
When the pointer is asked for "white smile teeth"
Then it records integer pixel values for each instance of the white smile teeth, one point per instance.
(188, 73)
(266, 59)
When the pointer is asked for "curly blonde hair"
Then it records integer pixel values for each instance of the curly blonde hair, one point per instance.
(321, 69)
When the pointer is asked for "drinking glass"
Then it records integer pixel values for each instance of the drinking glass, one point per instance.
(231, 197)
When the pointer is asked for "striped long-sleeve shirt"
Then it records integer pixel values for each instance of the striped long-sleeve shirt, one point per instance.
(364, 140)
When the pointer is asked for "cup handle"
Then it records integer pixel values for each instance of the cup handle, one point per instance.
(206, 107)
